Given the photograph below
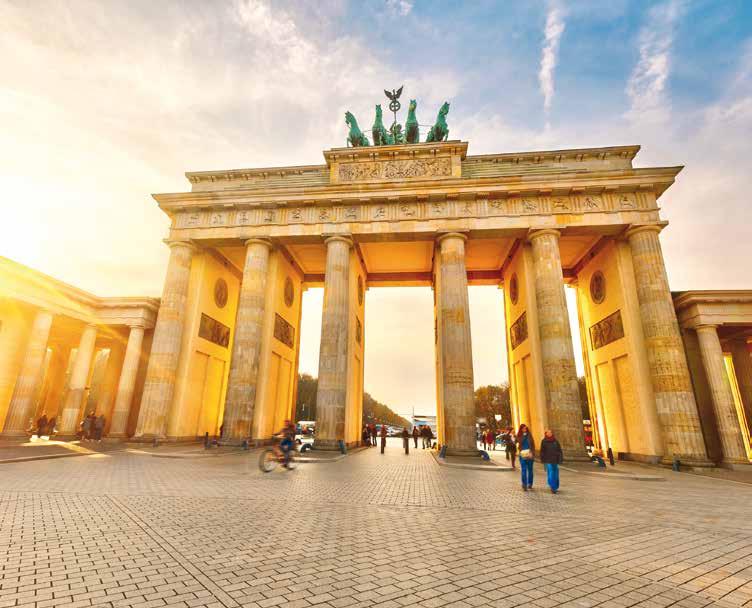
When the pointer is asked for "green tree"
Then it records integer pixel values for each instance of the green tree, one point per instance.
(305, 405)
(373, 411)
(491, 400)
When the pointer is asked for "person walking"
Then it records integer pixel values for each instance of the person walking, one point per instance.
(406, 440)
(42, 424)
(383, 437)
(416, 434)
(429, 437)
(86, 427)
(526, 448)
(99, 423)
(365, 436)
(511, 447)
(372, 430)
(551, 456)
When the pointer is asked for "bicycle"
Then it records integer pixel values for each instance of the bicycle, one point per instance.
(274, 455)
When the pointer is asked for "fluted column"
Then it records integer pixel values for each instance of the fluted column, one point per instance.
(726, 418)
(127, 383)
(742, 359)
(557, 352)
(246, 347)
(674, 398)
(69, 417)
(21, 406)
(331, 396)
(456, 345)
(159, 386)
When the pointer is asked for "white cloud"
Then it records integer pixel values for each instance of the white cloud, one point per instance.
(554, 29)
(400, 8)
(647, 84)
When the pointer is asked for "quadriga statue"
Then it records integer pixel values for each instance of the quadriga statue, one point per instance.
(440, 130)
(356, 137)
(412, 130)
(381, 136)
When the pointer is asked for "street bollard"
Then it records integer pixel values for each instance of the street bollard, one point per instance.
(206, 441)
(154, 443)
(611, 457)
(442, 453)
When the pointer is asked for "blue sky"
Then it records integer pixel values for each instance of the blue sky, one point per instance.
(104, 103)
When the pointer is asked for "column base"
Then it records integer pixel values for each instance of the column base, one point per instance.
(578, 455)
(15, 435)
(474, 452)
(737, 465)
(331, 445)
(148, 438)
(688, 461)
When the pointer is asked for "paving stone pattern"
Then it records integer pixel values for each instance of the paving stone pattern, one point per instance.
(125, 529)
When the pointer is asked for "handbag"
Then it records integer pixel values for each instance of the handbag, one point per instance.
(526, 454)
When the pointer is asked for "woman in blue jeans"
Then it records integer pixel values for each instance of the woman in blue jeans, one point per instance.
(526, 455)
(551, 456)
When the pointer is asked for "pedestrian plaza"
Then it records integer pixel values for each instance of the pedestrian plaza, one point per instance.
(126, 528)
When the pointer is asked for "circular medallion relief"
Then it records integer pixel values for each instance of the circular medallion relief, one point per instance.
(514, 289)
(598, 287)
(360, 290)
(220, 293)
(289, 292)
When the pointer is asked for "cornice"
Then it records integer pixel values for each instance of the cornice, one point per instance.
(657, 179)
(685, 299)
(411, 151)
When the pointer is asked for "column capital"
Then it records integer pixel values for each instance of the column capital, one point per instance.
(535, 233)
(259, 240)
(454, 235)
(707, 327)
(137, 325)
(345, 238)
(638, 228)
(190, 245)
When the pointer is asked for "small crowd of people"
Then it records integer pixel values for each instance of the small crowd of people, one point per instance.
(521, 446)
(44, 427)
(422, 432)
(92, 427)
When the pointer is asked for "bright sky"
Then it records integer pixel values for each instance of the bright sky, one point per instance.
(104, 102)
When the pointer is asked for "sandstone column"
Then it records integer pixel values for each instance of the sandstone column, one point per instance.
(557, 352)
(456, 345)
(21, 406)
(743, 367)
(69, 417)
(246, 347)
(726, 418)
(127, 383)
(674, 398)
(159, 386)
(331, 396)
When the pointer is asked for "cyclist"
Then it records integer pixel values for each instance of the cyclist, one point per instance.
(287, 440)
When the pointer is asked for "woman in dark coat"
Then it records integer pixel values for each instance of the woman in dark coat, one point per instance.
(526, 450)
(551, 456)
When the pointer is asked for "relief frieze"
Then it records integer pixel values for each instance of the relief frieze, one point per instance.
(518, 331)
(283, 331)
(395, 169)
(607, 330)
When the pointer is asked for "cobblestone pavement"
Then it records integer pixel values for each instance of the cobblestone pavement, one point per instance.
(125, 529)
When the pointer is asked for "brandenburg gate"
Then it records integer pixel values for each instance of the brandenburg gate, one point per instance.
(246, 243)
(222, 357)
